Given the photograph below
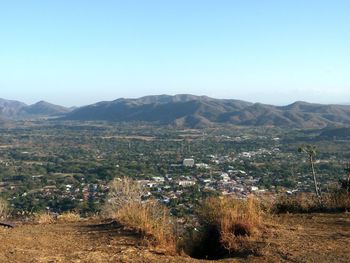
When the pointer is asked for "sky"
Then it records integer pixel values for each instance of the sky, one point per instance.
(77, 52)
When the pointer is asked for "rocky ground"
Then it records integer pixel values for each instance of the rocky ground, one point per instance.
(293, 238)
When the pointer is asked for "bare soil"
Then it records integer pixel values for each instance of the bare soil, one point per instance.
(310, 238)
(292, 238)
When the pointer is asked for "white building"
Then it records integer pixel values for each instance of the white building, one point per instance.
(202, 166)
(185, 183)
(188, 162)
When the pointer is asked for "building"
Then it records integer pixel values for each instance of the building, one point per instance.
(188, 162)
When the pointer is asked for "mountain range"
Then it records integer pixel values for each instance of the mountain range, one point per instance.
(12, 109)
(189, 111)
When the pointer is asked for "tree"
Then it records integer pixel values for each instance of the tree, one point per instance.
(122, 192)
(346, 182)
(311, 151)
(91, 200)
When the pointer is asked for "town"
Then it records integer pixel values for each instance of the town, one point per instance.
(68, 166)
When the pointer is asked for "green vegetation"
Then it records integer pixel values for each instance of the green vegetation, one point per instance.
(311, 151)
(336, 199)
(345, 184)
(56, 166)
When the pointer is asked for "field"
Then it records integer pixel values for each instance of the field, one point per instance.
(292, 238)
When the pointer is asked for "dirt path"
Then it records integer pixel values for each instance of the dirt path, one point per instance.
(295, 238)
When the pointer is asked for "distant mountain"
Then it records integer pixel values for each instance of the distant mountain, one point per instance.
(183, 110)
(10, 109)
(43, 108)
(189, 111)
(201, 111)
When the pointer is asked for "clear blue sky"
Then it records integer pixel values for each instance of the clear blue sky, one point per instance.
(76, 52)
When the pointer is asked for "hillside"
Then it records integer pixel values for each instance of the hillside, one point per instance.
(201, 111)
(294, 238)
(339, 133)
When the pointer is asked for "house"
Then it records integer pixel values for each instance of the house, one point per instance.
(254, 188)
(225, 177)
(202, 166)
(186, 183)
(188, 162)
(158, 179)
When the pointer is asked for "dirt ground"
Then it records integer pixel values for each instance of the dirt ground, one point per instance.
(293, 238)
(310, 238)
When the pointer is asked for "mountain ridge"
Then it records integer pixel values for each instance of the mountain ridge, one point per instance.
(186, 110)
(202, 111)
(13, 110)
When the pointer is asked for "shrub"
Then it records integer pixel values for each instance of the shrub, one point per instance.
(228, 225)
(297, 203)
(4, 209)
(335, 201)
(151, 219)
(345, 185)
(122, 191)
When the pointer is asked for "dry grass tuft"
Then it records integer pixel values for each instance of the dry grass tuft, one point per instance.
(236, 219)
(4, 209)
(151, 219)
(44, 218)
(69, 217)
(228, 225)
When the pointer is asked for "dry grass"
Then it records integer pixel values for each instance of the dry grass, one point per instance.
(151, 219)
(336, 201)
(228, 225)
(49, 218)
(297, 203)
(4, 209)
(237, 219)
(69, 217)
(240, 222)
(317, 238)
(44, 218)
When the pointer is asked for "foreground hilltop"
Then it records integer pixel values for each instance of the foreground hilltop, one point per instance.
(293, 238)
